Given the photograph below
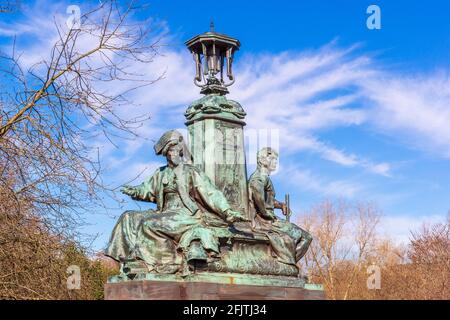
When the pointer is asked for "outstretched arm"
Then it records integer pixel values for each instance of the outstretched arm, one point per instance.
(146, 191)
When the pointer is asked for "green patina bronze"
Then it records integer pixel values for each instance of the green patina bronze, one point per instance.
(210, 224)
(216, 135)
(215, 106)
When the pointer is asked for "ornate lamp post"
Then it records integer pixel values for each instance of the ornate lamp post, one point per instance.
(215, 123)
(213, 52)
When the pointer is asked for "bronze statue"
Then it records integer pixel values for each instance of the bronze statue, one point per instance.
(208, 218)
(178, 231)
(289, 242)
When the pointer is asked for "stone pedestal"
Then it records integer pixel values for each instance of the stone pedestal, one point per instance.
(213, 287)
(216, 139)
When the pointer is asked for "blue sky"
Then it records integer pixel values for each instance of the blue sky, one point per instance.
(362, 114)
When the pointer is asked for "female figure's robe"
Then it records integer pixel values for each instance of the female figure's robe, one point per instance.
(188, 205)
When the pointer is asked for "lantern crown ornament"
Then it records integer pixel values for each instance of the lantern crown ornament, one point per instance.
(213, 51)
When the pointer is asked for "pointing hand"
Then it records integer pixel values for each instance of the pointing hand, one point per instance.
(128, 190)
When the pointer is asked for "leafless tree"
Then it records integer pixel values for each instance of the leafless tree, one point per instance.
(51, 111)
(429, 255)
(346, 243)
(344, 237)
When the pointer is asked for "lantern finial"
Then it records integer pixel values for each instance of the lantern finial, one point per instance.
(212, 52)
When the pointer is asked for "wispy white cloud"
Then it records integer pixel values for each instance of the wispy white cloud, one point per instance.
(137, 171)
(399, 227)
(412, 109)
(286, 91)
(305, 180)
(35, 33)
(302, 94)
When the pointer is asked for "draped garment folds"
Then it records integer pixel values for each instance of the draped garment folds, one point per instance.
(289, 242)
(187, 206)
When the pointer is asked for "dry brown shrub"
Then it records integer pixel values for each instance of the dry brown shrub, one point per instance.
(339, 256)
(34, 261)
